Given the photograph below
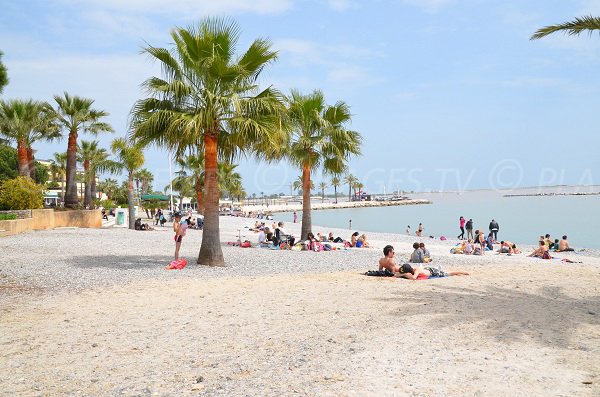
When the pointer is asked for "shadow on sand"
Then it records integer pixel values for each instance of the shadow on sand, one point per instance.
(548, 317)
(121, 262)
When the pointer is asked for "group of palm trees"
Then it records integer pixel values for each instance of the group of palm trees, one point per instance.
(354, 185)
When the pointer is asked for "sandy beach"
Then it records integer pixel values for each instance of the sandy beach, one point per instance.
(93, 312)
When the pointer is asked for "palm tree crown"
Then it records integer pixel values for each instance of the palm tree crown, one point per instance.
(572, 28)
(318, 138)
(75, 114)
(208, 101)
(131, 158)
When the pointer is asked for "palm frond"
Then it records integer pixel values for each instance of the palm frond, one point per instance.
(572, 28)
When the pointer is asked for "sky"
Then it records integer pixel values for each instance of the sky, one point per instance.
(447, 94)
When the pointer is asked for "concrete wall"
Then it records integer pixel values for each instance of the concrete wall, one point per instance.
(81, 218)
(42, 219)
(49, 219)
(21, 214)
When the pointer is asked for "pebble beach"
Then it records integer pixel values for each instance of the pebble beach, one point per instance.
(94, 312)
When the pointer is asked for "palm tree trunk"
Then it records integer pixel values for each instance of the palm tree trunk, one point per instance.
(88, 187)
(198, 187)
(63, 182)
(335, 192)
(306, 215)
(22, 158)
(349, 192)
(130, 200)
(94, 191)
(210, 251)
(72, 199)
(31, 163)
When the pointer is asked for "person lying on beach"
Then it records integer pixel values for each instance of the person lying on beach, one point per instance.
(563, 245)
(417, 255)
(387, 262)
(354, 239)
(412, 273)
(334, 239)
(541, 251)
(506, 247)
(363, 240)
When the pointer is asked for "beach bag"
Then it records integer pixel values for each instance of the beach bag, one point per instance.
(326, 247)
(246, 244)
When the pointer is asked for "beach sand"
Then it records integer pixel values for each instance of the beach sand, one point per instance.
(100, 316)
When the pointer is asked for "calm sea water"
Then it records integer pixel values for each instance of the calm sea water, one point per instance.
(521, 219)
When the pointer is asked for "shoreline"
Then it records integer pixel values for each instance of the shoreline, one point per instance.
(278, 208)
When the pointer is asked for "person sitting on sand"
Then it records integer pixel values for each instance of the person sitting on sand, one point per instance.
(506, 247)
(263, 238)
(468, 248)
(555, 245)
(426, 254)
(387, 262)
(412, 273)
(549, 243)
(563, 245)
(417, 255)
(489, 242)
(541, 251)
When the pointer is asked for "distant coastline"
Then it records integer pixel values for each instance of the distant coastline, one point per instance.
(330, 206)
(551, 194)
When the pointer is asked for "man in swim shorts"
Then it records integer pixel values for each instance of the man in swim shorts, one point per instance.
(412, 273)
(563, 245)
(387, 262)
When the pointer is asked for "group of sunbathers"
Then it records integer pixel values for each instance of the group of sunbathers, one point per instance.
(546, 245)
(413, 272)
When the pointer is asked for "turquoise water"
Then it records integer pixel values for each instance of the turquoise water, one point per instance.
(521, 219)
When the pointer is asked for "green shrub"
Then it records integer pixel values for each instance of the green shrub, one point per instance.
(8, 217)
(21, 193)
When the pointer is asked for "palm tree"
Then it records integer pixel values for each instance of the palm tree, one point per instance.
(183, 184)
(146, 178)
(59, 170)
(359, 186)
(100, 163)
(194, 165)
(572, 28)
(131, 158)
(109, 187)
(27, 121)
(75, 114)
(323, 185)
(335, 182)
(319, 138)
(209, 101)
(85, 151)
(228, 178)
(3, 74)
(350, 180)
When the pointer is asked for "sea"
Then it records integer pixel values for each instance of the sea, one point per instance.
(522, 218)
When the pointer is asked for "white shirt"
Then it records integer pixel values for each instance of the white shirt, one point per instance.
(262, 237)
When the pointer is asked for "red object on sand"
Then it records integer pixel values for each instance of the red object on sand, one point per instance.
(422, 276)
(177, 264)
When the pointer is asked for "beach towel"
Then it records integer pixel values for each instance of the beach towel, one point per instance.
(177, 264)
(380, 273)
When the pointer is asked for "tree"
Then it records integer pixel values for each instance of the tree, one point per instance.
(75, 114)
(59, 171)
(322, 186)
(184, 185)
(146, 178)
(130, 157)
(194, 165)
(41, 173)
(351, 181)
(109, 187)
(24, 122)
(335, 182)
(209, 101)
(94, 159)
(3, 74)
(572, 28)
(8, 163)
(229, 179)
(319, 137)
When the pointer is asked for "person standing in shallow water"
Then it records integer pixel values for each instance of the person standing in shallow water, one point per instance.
(461, 224)
(295, 217)
(420, 230)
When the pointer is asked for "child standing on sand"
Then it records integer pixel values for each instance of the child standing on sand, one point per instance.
(179, 230)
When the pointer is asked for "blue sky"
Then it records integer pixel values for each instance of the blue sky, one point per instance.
(448, 94)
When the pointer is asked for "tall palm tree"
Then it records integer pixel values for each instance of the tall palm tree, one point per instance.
(100, 163)
(319, 137)
(59, 168)
(24, 122)
(75, 114)
(145, 177)
(85, 151)
(572, 28)
(209, 101)
(351, 181)
(335, 182)
(359, 186)
(323, 185)
(131, 158)
(229, 179)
